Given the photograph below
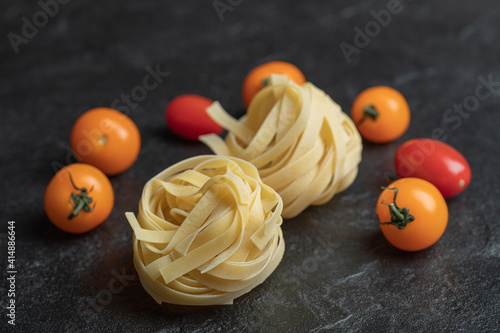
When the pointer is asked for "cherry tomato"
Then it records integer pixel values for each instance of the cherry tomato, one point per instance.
(381, 114)
(78, 198)
(106, 139)
(412, 213)
(254, 81)
(187, 117)
(436, 162)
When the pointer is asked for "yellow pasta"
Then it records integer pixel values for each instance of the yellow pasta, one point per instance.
(299, 139)
(208, 230)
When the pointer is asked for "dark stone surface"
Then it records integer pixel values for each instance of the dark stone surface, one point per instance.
(338, 272)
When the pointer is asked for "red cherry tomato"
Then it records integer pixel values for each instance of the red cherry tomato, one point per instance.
(187, 117)
(436, 162)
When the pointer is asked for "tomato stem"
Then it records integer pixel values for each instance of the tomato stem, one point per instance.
(265, 82)
(103, 140)
(400, 217)
(79, 201)
(369, 112)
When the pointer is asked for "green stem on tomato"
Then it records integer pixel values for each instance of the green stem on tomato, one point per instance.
(102, 140)
(79, 201)
(265, 82)
(400, 217)
(369, 112)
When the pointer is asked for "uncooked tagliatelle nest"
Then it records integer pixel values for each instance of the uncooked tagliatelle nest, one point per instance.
(299, 139)
(208, 231)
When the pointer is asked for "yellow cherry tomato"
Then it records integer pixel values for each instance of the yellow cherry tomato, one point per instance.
(413, 214)
(78, 198)
(106, 139)
(381, 114)
(254, 81)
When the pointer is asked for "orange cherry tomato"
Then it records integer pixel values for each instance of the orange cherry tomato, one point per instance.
(381, 114)
(254, 81)
(106, 139)
(187, 116)
(412, 213)
(78, 198)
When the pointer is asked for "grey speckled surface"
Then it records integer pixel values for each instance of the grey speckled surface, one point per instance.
(338, 272)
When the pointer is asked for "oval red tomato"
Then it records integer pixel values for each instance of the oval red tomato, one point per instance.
(436, 162)
(187, 117)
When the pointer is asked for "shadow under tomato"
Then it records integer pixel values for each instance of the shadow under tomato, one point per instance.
(378, 245)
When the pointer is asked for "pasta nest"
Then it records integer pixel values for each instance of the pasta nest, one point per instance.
(299, 139)
(207, 231)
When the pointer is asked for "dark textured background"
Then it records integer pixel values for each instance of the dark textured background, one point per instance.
(338, 272)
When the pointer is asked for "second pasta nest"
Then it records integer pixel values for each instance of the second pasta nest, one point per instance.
(298, 138)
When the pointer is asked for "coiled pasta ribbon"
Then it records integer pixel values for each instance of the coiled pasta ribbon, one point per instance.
(299, 139)
(208, 231)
